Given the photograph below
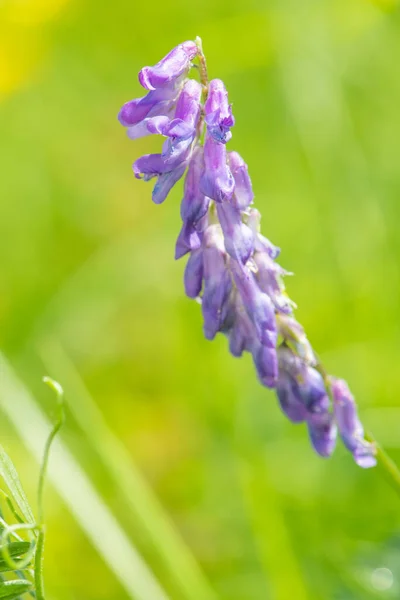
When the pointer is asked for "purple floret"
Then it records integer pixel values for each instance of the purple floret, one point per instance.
(217, 181)
(350, 428)
(218, 112)
(170, 68)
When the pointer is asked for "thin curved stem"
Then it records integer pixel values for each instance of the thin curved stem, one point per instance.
(202, 64)
(57, 426)
(39, 582)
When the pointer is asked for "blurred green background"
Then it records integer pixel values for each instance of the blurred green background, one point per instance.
(185, 460)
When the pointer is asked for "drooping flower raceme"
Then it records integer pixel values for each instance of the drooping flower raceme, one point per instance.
(232, 268)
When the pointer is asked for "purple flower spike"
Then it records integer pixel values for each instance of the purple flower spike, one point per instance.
(217, 281)
(257, 304)
(238, 237)
(231, 268)
(243, 195)
(170, 68)
(323, 433)
(350, 428)
(217, 181)
(193, 276)
(181, 130)
(218, 112)
(289, 398)
(194, 204)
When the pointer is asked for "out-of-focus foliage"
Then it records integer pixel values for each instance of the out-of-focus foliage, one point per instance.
(91, 295)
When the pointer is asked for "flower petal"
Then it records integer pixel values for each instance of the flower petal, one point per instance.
(218, 112)
(166, 182)
(257, 304)
(158, 102)
(217, 281)
(243, 195)
(238, 237)
(323, 433)
(169, 68)
(188, 239)
(289, 398)
(193, 276)
(266, 363)
(194, 204)
(217, 181)
(149, 126)
(350, 427)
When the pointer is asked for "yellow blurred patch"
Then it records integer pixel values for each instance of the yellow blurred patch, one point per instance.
(22, 45)
(34, 12)
(19, 54)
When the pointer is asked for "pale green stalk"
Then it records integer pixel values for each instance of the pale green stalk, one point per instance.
(39, 581)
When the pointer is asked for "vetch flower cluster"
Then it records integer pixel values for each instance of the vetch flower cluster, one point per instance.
(232, 269)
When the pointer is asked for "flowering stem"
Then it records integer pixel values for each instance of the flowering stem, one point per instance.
(204, 82)
(202, 66)
(388, 467)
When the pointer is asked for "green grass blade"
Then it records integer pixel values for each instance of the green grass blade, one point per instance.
(9, 473)
(177, 559)
(16, 550)
(86, 505)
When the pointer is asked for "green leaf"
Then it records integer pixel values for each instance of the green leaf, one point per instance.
(16, 550)
(11, 590)
(11, 478)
